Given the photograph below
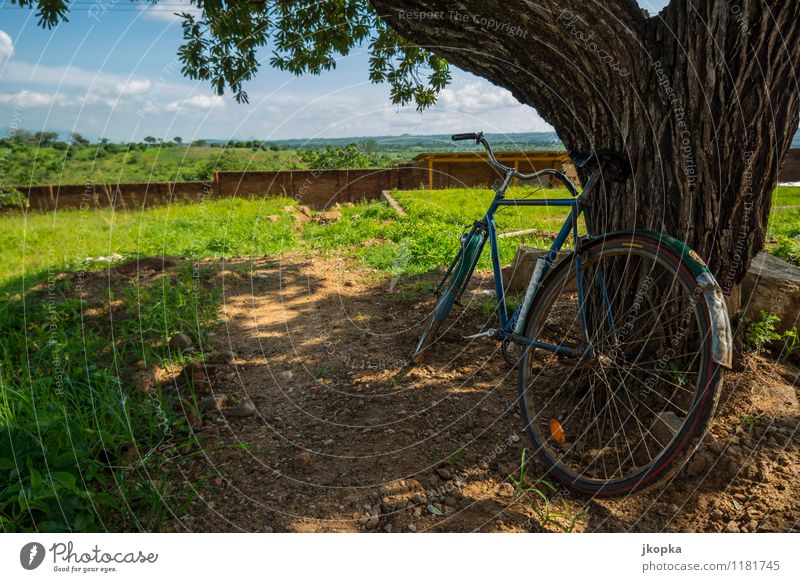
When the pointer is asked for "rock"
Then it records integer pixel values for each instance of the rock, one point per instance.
(412, 527)
(302, 460)
(222, 358)
(242, 410)
(699, 464)
(444, 473)
(331, 216)
(665, 427)
(273, 218)
(304, 210)
(289, 209)
(732, 527)
(772, 285)
(450, 501)
(181, 342)
(372, 522)
(517, 276)
(216, 403)
(506, 490)
(286, 375)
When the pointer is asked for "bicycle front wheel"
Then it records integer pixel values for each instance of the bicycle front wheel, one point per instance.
(450, 290)
(622, 412)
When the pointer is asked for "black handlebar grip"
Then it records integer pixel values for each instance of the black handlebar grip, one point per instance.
(463, 136)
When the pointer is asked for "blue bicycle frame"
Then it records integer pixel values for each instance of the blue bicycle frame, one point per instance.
(511, 326)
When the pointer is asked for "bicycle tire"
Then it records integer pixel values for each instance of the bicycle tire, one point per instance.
(569, 461)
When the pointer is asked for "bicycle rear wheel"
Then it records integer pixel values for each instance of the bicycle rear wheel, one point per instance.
(622, 414)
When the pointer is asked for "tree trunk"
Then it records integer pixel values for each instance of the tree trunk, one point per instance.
(702, 98)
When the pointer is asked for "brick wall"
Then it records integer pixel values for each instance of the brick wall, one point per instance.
(316, 188)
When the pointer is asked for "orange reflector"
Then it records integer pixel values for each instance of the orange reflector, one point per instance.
(557, 431)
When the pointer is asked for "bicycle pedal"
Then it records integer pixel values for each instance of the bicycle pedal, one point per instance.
(488, 333)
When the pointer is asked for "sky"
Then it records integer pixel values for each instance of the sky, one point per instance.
(112, 72)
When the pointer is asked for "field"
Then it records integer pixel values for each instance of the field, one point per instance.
(117, 328)
(27, 163)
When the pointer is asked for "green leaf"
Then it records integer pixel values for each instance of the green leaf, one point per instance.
(66, 479)
(6, 463)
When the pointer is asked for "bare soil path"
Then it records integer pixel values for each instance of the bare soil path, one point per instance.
(339, 442)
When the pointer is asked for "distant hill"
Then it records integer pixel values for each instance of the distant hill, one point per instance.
(520, 141)
(502, 141)
(505, 141)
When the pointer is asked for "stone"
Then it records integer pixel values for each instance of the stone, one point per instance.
(506, 490)
(666, 426)
(244, 409)
(331, 216)
(771, 284)
(302, 460)
(517, 275)
(222, 358)
(699, 464)
(444, 473)
(216, 403)
(273, 218)
(372, 522)
(286, 375)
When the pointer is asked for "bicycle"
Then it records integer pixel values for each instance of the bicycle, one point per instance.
(623, 341)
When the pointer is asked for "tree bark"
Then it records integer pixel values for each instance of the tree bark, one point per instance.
(703, 99)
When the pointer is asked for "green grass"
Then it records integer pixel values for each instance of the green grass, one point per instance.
(428, 236)
(70, 413)
(64, 239)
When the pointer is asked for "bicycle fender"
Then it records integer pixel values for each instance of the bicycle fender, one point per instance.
(471, 248)
(722, 338)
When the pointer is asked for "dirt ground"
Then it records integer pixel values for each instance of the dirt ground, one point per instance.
(309, 428)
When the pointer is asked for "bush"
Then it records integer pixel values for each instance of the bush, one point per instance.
(11, 198)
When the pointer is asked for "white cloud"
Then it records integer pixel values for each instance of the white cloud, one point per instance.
(476, 97)
(6, 47)
(169, 12)
(202, 102)
(25, 99)
(133, 87)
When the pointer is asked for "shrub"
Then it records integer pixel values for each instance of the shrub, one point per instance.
(11, 197)
(760, 333)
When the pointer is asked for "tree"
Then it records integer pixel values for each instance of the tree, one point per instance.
(150, 140)
(178, 140)
(45, 137)
(703, 97)
(77, 140)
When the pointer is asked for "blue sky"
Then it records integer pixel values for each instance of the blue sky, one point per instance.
(111, 71)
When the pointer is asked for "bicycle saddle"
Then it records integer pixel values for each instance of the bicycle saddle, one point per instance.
(614, 165)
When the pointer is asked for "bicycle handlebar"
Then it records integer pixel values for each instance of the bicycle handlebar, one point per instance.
(479, 139)
(463, 136)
